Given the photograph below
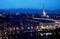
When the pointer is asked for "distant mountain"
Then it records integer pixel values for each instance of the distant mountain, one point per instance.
(29, 11)
(20, 11)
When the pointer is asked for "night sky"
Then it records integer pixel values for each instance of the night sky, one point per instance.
(32, 4)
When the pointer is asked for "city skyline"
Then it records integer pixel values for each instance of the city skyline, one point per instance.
(32, 4)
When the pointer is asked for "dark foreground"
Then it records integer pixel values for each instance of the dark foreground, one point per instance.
(28, 36)
(33, 35)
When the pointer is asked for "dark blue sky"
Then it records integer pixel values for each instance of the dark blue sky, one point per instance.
(33, 4)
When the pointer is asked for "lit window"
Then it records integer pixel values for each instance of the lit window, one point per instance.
(17, 28)
(28, 27)
(31, 27)
(22, 28)
(14, 28)
(10, 29)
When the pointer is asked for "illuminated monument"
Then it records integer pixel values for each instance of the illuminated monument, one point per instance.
(44, 18)
(44, 13)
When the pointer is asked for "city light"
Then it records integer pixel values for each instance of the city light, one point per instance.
(13, 28)
(17, 28)
(22, 28)
(28, 27)
(42, 27)
(31, 27)
(10, 29)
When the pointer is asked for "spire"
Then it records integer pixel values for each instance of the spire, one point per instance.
(44, 13)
